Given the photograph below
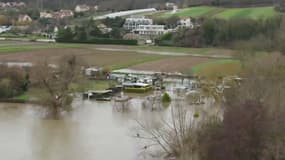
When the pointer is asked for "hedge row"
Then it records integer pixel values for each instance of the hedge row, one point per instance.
(103, 41)
(137, 90)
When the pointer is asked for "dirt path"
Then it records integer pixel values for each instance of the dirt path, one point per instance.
(165, 53)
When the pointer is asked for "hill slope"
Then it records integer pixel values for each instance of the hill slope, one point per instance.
(223, 13)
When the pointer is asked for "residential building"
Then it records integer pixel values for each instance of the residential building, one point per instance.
(12, 4)
(63, 14)
(82, 8)
(45, 15)
(96, 7)
(24, 18)
(150, 30)
(185, 23)
(4, 29)
(171, 6)
(134, 22)
(104, 29)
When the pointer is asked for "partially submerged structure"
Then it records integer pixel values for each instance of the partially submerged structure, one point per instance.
(99, 95)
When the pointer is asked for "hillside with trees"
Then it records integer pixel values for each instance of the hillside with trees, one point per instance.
(133, 4)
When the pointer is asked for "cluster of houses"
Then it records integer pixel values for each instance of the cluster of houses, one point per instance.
(12, 4)
(57, 15)
(85, 8)
(68, 13)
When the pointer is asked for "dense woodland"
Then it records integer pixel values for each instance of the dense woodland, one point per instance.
(266, 34)
(133, 4)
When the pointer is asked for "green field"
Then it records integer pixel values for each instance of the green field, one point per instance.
(193, 12)
(254, 13)
(223, 13)
(219, 67)
(6, 47)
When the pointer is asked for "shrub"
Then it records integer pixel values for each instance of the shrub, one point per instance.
(166, 98)
(13, 82)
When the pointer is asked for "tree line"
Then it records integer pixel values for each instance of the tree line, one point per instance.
(110, 32)
(264, 34)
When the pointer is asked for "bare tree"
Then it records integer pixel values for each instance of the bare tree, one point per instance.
(175, 134)
(56, 82)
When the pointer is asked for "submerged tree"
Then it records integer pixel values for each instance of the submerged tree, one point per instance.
(57, 83)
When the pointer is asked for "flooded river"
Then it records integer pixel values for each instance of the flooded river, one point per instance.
(92, 131)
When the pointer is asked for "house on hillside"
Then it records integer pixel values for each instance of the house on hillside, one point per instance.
(134, 22)
(150, 30)
(171, 6)
(4, 29)
(185, 23)
(104, 29)
(82, 8)
(2, 5)
(63, 14)
(18, 4)
(12, 4)
(96, 7)
(24, 18)
(45, 15)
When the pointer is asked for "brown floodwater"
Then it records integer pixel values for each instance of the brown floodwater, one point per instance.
(93, 130)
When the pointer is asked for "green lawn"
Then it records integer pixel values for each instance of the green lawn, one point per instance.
(254, 13)
(22, 97)
(99, 84)
(218, 67)
(224, 13)
(28, 36)
(18, 47)
(193, 12)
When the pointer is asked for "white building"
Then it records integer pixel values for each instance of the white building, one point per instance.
(134, 22)
(4, 29)
(96, 7)
(103, 28)
(45, 15)
(150, 30)
(170, 6)
(24, 18)
(82, 8)
(185, 23)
